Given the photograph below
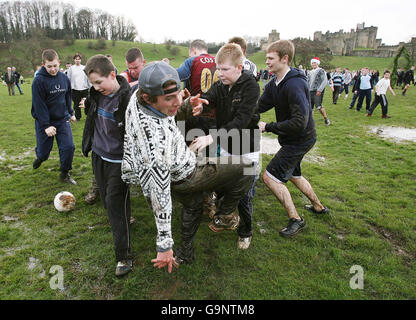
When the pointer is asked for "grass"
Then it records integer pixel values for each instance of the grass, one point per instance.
(367, 182)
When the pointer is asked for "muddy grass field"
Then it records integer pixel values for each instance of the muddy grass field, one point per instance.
(362, 168)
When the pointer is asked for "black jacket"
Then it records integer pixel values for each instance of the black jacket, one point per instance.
(291, 101)
(91, 105)
(409, 77)
(236, 109)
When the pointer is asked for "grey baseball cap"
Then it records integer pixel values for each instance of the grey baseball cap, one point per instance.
(155, 75)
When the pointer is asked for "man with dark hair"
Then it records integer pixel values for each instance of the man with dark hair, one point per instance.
(157, 157)
(79, 84)
(288, 93)
(17, 77)
(247, 64)
(135, 63)
(104, 136)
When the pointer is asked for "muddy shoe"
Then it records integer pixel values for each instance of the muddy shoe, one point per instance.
(219, 224)
(123, 267)
(65, 177)
(209, 205)
(244, 243)
(293, 228)
(184, 255)
(92, 196)
(37, 163)
(310, 208)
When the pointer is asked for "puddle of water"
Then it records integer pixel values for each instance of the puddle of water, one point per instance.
(397, 134)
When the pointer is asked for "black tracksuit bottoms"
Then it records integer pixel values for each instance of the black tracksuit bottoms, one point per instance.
(115, 196)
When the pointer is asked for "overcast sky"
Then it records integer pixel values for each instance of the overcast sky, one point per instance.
(219, 20)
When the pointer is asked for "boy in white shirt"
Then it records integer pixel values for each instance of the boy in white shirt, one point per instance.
(79, 84)
(380, 96)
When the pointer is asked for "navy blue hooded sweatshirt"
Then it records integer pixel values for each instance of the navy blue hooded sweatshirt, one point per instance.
(291, 100)
(51, 98)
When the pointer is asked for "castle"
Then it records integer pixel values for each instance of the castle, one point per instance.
(359, 42)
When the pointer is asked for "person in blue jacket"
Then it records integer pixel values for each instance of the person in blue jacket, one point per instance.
(288, 93)
(52, 111)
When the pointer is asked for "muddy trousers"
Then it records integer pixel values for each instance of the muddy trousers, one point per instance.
(219, 175)
(115, 196)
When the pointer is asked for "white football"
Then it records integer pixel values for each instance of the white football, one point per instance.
(64, 201)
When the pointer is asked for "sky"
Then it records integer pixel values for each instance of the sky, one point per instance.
(219, 20)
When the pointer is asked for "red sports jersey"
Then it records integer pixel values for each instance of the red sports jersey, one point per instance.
(203, 74)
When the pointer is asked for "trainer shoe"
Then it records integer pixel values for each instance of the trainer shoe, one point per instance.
(209, 206)
(311, 208)
(244, 243)
(91, 196)
(65, 177)
(37, 163)
(368, 114)
(123, 267)
(184, 255)
(218, 224)
(384, 116)
(293, 228)
(327, 122)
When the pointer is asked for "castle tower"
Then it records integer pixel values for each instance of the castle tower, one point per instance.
(273, 36)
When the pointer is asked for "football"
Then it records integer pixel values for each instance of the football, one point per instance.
(64, 201)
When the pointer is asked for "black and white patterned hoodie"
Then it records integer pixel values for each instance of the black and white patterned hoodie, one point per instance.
(155, 154)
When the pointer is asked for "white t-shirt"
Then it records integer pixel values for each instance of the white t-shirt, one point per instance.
(79, 80)
(383, 85)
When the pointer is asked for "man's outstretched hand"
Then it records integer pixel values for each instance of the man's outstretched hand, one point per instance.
(164, 259)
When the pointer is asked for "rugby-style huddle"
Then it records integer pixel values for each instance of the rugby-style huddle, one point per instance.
(197, 143)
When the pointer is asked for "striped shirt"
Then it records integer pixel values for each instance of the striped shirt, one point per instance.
(337, 79)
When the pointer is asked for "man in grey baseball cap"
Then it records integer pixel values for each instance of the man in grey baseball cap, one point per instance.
(157, 157)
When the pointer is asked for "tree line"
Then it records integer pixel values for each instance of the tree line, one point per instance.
(19, 20)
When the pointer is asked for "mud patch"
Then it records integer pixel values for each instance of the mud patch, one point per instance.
(8, 218)
(269, 145)
(394, 240)
(396, 134)
(261, 224)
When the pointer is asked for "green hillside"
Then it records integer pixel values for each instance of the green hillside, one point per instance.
(150, 51)
(154, 52)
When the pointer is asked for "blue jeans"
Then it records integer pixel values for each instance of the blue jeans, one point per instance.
(18, 87)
